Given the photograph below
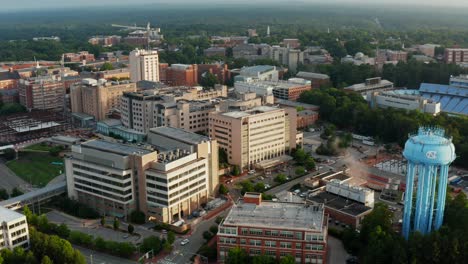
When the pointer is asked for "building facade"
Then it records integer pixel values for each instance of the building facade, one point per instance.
(274, 229)
(79, 57)
(142, 111)
(144, 65)
(259, 134)
(166, 179)
(371, 85)
(179, 74)
(401, 100)
(455, 55)
(13, 230)
(42, 93)
(98, 98)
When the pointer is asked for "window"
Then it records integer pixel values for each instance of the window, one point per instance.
(270, 243)
(286, 245)
(254, 231)
(255, 242)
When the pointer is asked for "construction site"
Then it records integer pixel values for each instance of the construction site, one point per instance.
(32, 125)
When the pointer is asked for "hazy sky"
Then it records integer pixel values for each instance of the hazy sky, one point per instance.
(47, 4)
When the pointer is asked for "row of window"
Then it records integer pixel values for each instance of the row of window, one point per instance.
(104, 194)
(101, 172)
(102, 187)
(22, 222)
(100, 179)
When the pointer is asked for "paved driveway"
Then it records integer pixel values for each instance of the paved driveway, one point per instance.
(336, 252)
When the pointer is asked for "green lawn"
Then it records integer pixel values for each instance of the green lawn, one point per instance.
(36, 167)
(39, 147)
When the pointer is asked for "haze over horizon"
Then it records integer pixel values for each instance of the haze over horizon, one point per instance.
(20, 5)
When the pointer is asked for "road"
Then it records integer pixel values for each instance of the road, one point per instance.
(182, 254)
(94, 257)
(336, 252)
(9, 180)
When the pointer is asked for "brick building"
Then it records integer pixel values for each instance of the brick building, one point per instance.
(456, 55)
(275, 229)
(178, 74)
(9, 79)
(44, 93)
(221, 71)
(78, 57)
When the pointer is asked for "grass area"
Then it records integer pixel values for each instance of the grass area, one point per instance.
(40, 147)
(36, 167)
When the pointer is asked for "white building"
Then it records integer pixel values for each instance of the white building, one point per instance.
(166, 179)
(355, 193)
(259, 72)
(371, 85)
(403, 100)
(144, 65)
(13, 229)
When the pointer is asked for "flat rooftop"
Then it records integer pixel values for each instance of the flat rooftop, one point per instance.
(7, 215)
(339, 203)
(253, 111)
(363, 86)
(179, 134)
(277, 215)
(116, 148)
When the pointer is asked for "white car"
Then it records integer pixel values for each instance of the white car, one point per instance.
(184, 242)
(252, 172)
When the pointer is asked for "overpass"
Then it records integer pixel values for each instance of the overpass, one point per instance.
(36, 196)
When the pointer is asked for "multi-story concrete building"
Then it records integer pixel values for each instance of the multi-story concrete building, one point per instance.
(9, 79)
(98, 98)
(187, 110)
(166, 179)
(251, 51)
(256, 136)
(215, 51)
(317, 79)
(371, 85)
(78, 57)
(106, 41)
(287, 90)
(390, 56)
(121, 74)
(13, 230)
(403, 99)
(144, 65)
(275, 229)
(455, 55)
(291, 43)
(179, 74)
(287, 56)
(257, 73)
(307, 114)
(43, 93)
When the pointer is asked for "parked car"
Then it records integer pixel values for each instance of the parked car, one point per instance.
(252, 172)
(184, 242)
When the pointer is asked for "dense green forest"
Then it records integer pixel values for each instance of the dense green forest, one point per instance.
(377, 241)
(349, 111)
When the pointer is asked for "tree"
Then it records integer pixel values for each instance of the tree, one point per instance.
(107, 66)
(259, 187)
(208, 80)
(3, 194)
(300, 156)
(223, 189)
(207, 235)
(300, 171)
(310, 164)
(103, 221)
(137, 217)
(9, 154)
(280, 178)
(170, 237)
(116, 224)
(46, 260)
(151, 243)
(237, 256)
(263, 259)
(287, 260)
(247, 186)
(130, 228)
(235, 170)
(16, 192)
(214, 229)
(63, 230)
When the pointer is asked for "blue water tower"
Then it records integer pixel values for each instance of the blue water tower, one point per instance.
(429, 154)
